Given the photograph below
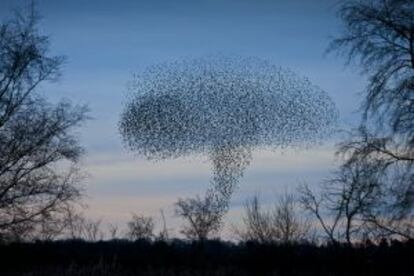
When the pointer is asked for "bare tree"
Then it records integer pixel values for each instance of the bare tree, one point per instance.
(392, 166)
(49, 226)
(38, 153)
(290, 224)
(282, 224)
(68, 222)
(203, 215)
(315, 204)
(52, 225)
(257, 222)
(164, 232)
(74, 223)
(140, 227)
(356, 201)
(113, 231)
(380, 35)
(92, 230)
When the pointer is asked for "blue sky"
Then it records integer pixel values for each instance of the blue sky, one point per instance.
(106, 42)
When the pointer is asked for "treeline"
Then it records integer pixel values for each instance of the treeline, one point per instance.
(213, 257)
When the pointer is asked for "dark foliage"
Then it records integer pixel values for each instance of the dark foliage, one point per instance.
(142, 257)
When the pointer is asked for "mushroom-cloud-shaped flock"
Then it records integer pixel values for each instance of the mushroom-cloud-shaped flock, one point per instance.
(223, 107)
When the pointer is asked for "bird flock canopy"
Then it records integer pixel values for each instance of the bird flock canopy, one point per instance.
(207, 104)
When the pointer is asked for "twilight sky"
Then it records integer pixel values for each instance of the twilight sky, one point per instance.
(107, 41)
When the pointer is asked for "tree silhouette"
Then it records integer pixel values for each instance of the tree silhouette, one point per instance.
(35, 136)
(392, 214)
(380, 35)
(346, 199)
(280, 224)
(140, 227)
(203, 215)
